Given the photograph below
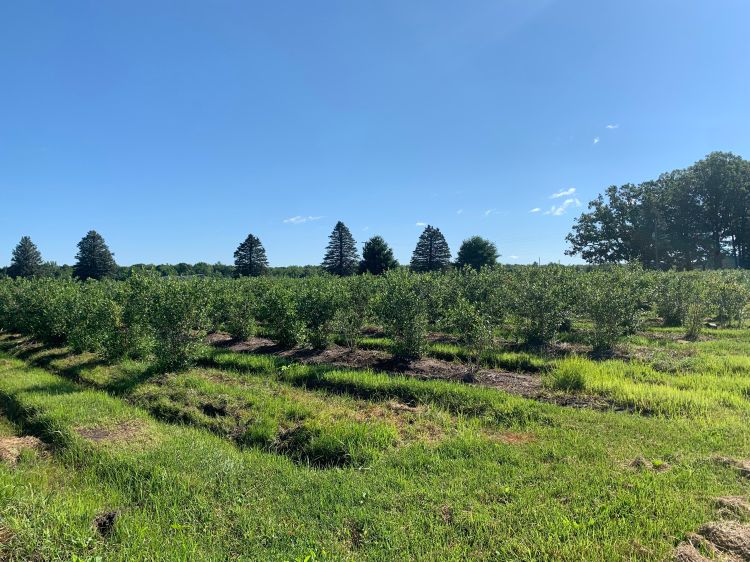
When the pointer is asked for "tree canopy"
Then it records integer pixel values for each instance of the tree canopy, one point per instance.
(341, 256)
(93, 260)
(477, 252)
(26, 260)
(250, 257)
(377, 257)
(432, 252)
(693, 218)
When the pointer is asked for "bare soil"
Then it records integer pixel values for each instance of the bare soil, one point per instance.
(686, 552)
(727, 540)
(126, 431)
(733, 506)
(11, 447)
(741, 466)
(104, 523)
(728, 536)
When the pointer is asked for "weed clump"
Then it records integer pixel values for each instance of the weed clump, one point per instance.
(568, 376)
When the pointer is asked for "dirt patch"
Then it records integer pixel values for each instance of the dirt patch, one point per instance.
(104, 523)
(356, 534)
(733, 506)
(6, 535)
(514, 438)
(405, 408)
(728, 536)
(686, 552)
(741, 466)
(214, 410)
(442, 338)
(122, 432)
(11, 447)
(446, 514)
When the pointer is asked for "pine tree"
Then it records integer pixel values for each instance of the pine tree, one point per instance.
(341, 254)
(477, 252)
(26, 261)
(377, 257)
(250, 257)
(432, 252)
(93, 260)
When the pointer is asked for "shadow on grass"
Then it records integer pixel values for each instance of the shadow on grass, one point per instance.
(65, 363)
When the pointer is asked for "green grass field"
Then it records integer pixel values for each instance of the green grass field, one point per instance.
(251, 457)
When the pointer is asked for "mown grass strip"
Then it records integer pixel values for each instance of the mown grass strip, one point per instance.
(492, 406)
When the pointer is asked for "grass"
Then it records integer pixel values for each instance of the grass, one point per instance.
(228, 460)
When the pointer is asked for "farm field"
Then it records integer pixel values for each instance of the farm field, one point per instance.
(252, 449)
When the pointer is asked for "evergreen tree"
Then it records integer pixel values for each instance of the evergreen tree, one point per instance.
(477, 252)
(341, 254)
(250, 257)
(432, 252)
(93, 260)
(26, 261)
(377, 257)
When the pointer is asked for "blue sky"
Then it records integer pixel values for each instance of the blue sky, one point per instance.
(175, 128)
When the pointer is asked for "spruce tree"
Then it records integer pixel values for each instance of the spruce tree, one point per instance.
(377, 257)
(477, 252)
(341, 254)
(250, 257)
(26, 261)
(93, 260)
(432, 252)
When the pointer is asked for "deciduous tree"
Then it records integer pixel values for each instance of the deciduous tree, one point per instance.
(477, 252)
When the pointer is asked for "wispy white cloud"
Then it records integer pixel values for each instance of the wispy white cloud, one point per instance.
(535, 210)
(563, 193)
(596, 140)
(489, 212)
(557, 210)
(459, 212)
(300, 219)
(421, 224)
(615, 126)
(366, 228)
(513, 257)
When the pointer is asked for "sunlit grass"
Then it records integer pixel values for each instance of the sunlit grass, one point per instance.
(638, 386)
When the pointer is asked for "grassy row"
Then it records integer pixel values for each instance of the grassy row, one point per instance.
(486, 404)
(640, 387)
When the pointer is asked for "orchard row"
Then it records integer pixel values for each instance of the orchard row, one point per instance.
(168, 318)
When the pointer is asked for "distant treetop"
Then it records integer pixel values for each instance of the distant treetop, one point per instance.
(250, 257)
(341, 256)
(26, 260)
(377, 257)
(432, 252)
(94, 260)
(477, 252)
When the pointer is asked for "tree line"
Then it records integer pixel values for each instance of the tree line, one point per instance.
(94, 260)
(694, 218)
